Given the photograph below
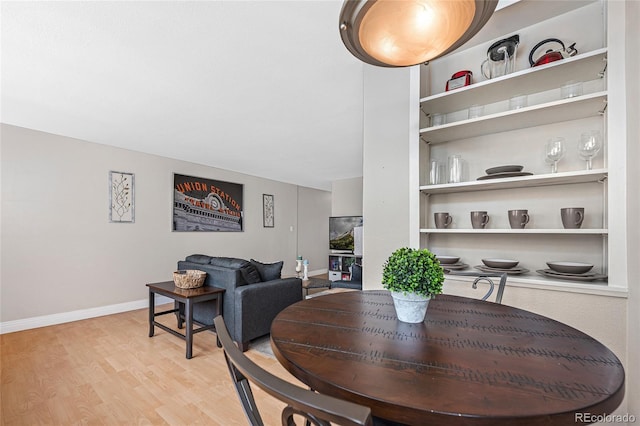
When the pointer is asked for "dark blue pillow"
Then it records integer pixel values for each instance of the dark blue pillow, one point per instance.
(268, 271)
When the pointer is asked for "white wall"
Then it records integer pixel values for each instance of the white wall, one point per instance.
(633, 224)
(60, 253)
(391, 100)
(346, 197)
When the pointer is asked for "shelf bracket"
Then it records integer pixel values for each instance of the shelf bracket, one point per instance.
(601, 112)
(602, 73)
(423, 111)
(424, 140)
(603, 179)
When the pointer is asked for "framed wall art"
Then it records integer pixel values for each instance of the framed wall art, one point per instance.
(267, 211)
(207, 205)
(121, 197)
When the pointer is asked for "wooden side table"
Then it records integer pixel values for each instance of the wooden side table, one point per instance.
(314, 283)
(188, 297)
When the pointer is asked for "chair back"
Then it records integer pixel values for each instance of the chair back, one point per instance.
(486, 276)
(315, 408)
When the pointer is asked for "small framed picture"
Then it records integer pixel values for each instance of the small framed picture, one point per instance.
(121, 197)
(267, 211)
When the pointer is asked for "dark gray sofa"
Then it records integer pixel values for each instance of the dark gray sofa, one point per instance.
(254, 294)
(355, 283)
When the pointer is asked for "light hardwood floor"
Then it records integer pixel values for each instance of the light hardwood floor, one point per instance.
(107, 371)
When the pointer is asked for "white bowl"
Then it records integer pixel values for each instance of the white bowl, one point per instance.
(500, 263)
(570, 267)
(448, 260)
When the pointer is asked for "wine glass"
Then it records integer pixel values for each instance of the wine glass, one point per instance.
(589, 145)
(554, 151)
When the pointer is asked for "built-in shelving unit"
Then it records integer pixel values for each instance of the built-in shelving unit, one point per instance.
(544, 192)
(340, 266)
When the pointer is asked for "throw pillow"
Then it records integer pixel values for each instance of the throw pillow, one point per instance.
(268, 271)
(202, 259)
(251, 274)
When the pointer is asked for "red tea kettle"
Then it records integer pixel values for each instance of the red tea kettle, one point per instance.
(551, 55)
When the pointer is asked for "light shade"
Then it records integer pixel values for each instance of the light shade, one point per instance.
(400, 33)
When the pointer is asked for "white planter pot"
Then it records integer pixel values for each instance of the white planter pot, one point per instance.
(410, 307)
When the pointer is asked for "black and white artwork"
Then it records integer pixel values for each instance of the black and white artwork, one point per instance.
(267, 211)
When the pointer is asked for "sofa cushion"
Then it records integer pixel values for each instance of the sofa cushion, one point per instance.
(228, 262)
(356, 273)
(249, 272)
(202, 259)
(268, 271)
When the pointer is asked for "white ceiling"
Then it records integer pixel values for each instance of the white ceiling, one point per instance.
(260, 87)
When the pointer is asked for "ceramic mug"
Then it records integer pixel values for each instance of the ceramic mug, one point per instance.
(443, 220)
(479, 219)
(518, 219)
(572, 217)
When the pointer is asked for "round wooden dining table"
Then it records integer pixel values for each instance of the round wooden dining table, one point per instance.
(469, 363)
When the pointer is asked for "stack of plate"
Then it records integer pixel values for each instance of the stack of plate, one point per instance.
(451, 263)
(574, 271)
(509, 266)
(504, 172)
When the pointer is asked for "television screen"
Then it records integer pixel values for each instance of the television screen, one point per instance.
(341, 233)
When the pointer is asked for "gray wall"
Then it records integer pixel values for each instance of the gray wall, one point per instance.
(314, 209)
(346, 197)
(60, 254)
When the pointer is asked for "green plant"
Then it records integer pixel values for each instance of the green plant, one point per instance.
(413, 271)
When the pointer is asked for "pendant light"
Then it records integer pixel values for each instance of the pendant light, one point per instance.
(400, 33)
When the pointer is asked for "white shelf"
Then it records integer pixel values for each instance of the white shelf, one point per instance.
(582, 67)
(589, 105)
(581, 231)
(538, 281)
(563, 178)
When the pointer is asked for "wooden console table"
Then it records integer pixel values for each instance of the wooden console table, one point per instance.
(187, 297)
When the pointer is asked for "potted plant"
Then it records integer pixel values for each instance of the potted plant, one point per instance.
(413, 276)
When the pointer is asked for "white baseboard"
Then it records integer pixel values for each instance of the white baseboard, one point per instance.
(61, 318)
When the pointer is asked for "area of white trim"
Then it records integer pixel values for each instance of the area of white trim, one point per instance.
(63, 317)
(549, 285)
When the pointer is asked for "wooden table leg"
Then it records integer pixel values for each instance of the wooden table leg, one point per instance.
(176, 305)
(189, 327)
(219, 312)
(152, 311)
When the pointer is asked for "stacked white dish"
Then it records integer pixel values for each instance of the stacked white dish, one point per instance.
(451, 263)
(509, 266)
(573, 271)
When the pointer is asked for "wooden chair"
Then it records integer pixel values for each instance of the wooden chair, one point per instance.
(485, 276)
(316, 409)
